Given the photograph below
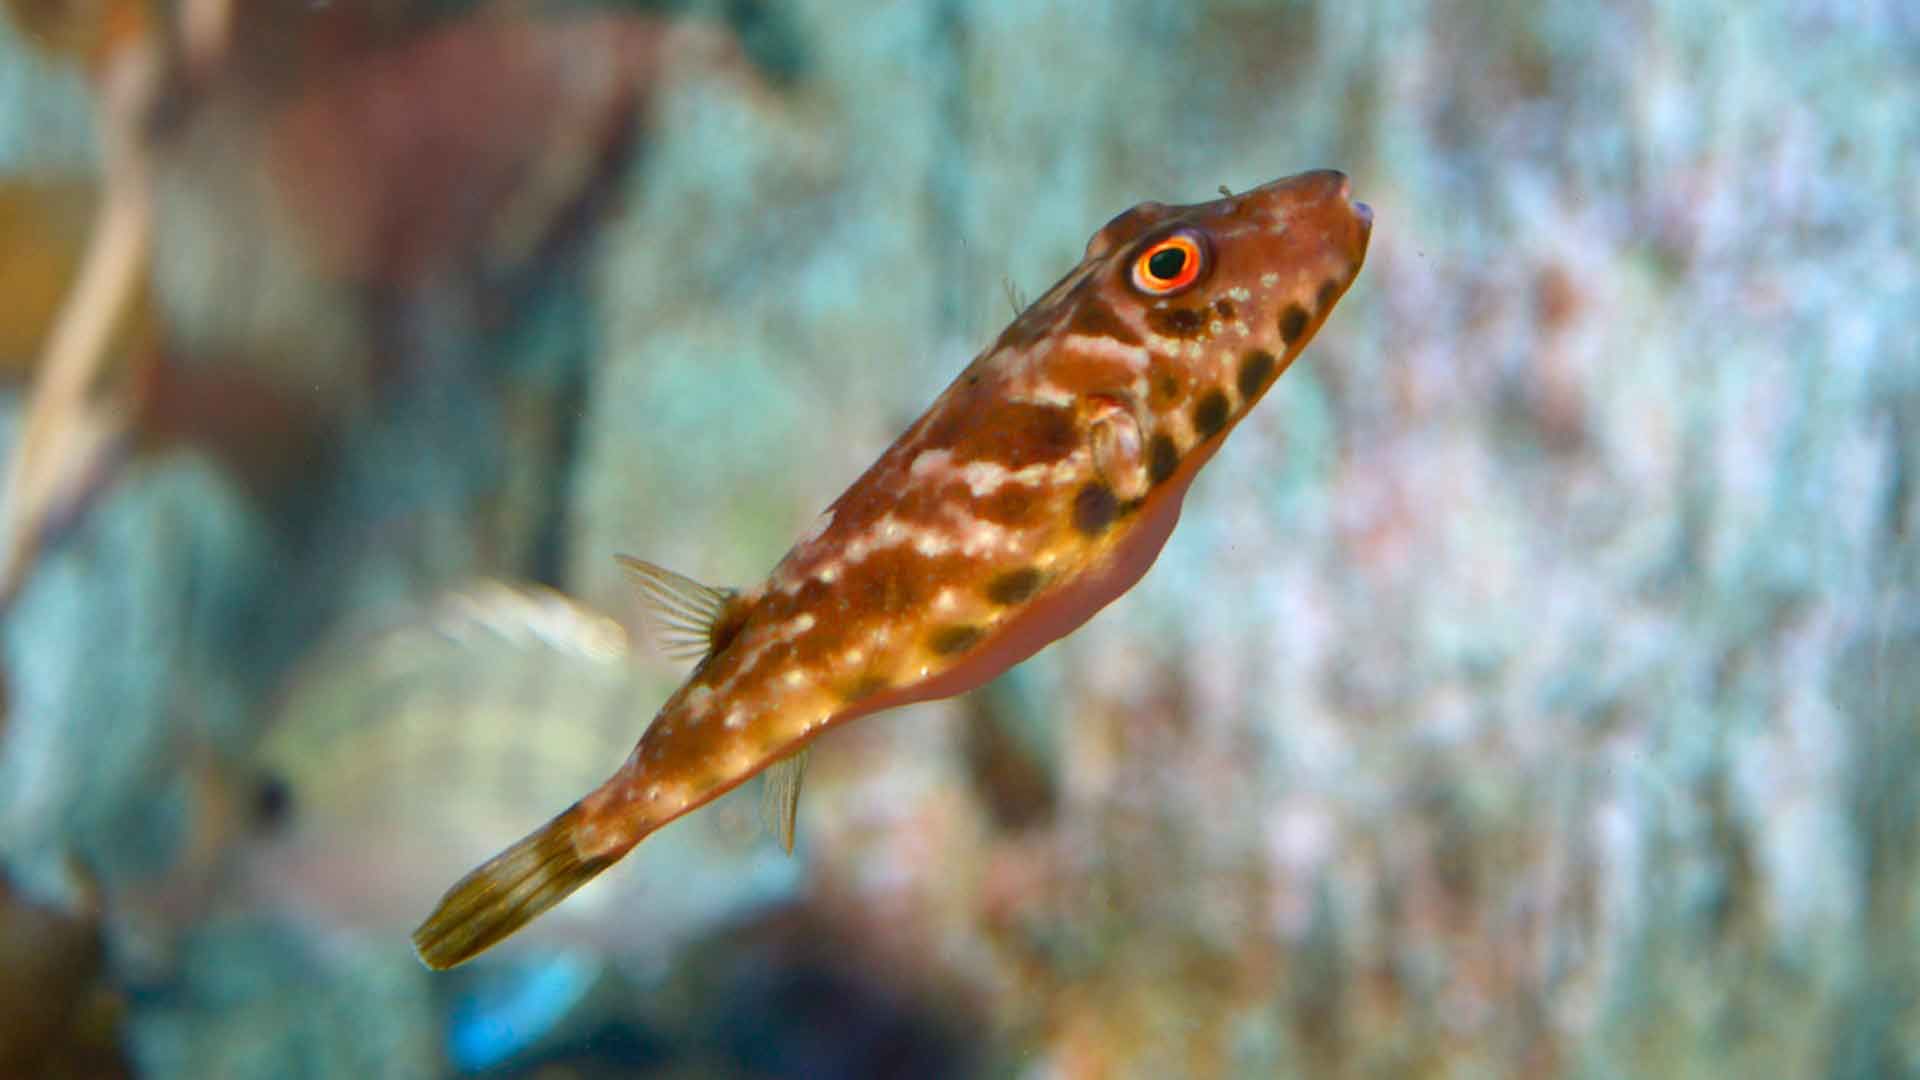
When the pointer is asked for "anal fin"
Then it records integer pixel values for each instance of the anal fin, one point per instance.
(693, 620)
(780, 796)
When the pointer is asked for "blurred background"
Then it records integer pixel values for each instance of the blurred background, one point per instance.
(1533, 687)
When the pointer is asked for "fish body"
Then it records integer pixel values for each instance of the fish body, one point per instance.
(1038, 487)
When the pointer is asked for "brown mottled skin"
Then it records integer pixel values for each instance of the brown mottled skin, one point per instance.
(1039, 487)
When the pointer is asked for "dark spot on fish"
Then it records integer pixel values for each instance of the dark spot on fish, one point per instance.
(1177, 322)
(1015, 586)
(1293, 323)
(1094, 509)
(866, 686)
(1095, 319)
(888, 580)
(1211, 414)
(949, 640)
(1329, 292)
(1255, 370)
(1014, 433)
(1224, 308)
(1167, 390)
(1011, 505)
(1162, 458)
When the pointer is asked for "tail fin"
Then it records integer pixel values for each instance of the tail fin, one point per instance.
(507, 892)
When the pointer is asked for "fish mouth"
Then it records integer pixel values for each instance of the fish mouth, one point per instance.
(1359, 213)
(1343, 193)
(1363, 225)
(1336, 189)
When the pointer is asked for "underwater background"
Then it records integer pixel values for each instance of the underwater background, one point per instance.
(1532, 687)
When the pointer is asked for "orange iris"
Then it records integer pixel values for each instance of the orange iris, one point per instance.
(1168, 266)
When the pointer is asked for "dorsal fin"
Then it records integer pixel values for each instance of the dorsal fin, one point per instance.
(692, 618)
(694, 621)
(780, 797)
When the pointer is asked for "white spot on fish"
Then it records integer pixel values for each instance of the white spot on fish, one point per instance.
(979, 537)
(1108, 348)
(699, 700)
(984, 477)
(1048, 394)
(928, 461)
(930, 544)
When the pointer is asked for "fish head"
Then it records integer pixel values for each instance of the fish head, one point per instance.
(1179, 318)
(1259, 269)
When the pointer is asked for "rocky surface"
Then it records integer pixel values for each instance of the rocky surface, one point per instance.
(1529, 687)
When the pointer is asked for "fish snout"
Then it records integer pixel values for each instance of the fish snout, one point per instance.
(1313, 187)
(1324, 198)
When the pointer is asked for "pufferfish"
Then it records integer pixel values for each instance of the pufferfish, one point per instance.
(1036, 489)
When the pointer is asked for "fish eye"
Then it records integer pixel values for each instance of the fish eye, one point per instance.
(1170, 264)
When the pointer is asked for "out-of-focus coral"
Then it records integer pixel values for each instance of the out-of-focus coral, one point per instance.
(394, 759)
(44, 225)
(400, 442)
(1526, 690)
(319, 239)
(397, 759)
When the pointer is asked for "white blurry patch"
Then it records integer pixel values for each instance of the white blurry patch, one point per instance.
(412, 756)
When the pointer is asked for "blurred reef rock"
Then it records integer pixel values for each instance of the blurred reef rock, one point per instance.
(1530, 690)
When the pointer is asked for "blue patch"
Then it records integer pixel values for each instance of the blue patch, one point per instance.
(507, 1012)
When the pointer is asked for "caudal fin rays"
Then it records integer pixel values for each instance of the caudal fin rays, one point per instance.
(507, 892)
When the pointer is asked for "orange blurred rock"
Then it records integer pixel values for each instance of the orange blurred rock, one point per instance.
(88, 31)
(57, 1015)
(465, 148)
(43, 231)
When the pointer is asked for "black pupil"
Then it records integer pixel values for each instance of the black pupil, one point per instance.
(1167, 263)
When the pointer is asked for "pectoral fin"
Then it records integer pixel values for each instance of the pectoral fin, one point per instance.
(1118, 445)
